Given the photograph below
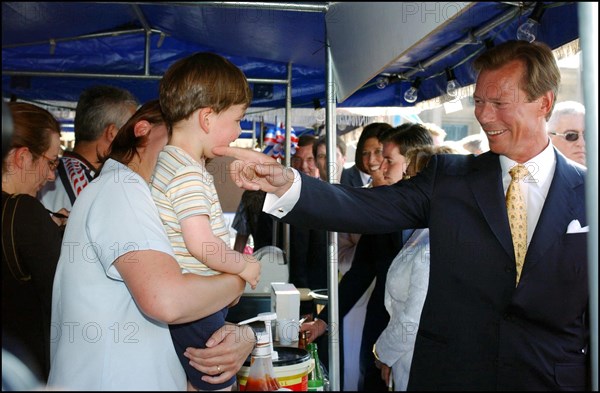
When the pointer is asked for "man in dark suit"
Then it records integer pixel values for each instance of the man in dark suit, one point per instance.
(480, 328)
(351, 177)
(308, 247)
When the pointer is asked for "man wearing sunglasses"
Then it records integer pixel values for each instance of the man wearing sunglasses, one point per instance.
(566, 128)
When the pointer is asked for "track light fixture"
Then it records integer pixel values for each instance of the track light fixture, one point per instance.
(317, 104)
(529, 30)
(452, 85)
(410, 95)
(383, 80)
(319, 110)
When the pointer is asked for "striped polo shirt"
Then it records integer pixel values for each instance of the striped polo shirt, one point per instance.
(182, 187)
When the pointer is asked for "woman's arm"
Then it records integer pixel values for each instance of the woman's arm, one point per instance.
(162, 292)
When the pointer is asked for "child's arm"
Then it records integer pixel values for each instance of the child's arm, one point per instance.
(215, 253)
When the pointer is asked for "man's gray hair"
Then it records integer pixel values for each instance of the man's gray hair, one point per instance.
(100, 106)
(565, 108)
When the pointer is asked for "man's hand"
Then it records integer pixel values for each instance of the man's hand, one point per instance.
(256, 171)
(225, 353)
(314, 328)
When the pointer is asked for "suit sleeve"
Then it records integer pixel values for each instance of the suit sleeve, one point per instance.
(323, 205)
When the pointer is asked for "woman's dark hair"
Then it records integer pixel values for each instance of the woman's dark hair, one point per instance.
(370, 131)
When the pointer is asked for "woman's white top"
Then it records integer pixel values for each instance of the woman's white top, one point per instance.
(405, 291)
(100, 340)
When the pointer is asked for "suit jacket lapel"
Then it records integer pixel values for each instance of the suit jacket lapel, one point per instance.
(489, 195)
(558, 211)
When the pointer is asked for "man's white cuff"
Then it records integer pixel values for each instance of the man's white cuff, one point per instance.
(279, 207)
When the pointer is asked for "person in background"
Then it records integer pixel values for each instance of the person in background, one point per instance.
(304, 159)
(455, 145)
(320, 152)
(374, 254)
(406, 287)
(112, 302)
(203, 97)
(490, 321)
(566, 128)
(475, 143)
(366, 172)
(437, 133)
(367, 158)
(31, 239)
(7, 129)
(101, 111)
(367, 163)
(308, 247)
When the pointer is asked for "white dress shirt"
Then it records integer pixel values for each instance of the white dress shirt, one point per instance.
(534, 187)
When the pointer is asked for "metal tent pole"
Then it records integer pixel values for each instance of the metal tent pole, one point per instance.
(588, 33)
(332, 257)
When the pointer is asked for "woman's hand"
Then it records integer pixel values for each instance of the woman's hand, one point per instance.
(60, 217)
(385, 372)
(377, 177)
(225, 353)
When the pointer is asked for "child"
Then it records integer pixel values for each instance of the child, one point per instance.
(203, 97)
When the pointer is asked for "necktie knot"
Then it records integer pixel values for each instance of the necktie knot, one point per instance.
(518, 172)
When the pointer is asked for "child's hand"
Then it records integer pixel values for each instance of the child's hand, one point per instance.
(252, 271)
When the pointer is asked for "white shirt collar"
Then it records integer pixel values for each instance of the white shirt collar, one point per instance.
(365, 177)
(540, 167)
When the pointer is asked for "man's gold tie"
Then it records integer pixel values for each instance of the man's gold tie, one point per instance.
(517, 215)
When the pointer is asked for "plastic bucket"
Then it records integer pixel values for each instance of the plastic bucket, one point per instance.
(291, 369)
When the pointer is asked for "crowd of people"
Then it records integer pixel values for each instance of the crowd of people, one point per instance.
(118, 270)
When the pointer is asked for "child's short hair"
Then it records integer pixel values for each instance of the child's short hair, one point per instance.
(202, 80)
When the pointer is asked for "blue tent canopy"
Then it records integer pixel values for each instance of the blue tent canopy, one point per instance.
(53, 50)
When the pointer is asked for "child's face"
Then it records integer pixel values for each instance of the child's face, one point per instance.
(225, 126)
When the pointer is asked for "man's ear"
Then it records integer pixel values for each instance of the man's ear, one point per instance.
(141, 128)
(204, 118)
(110, 132)
(546, 101)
